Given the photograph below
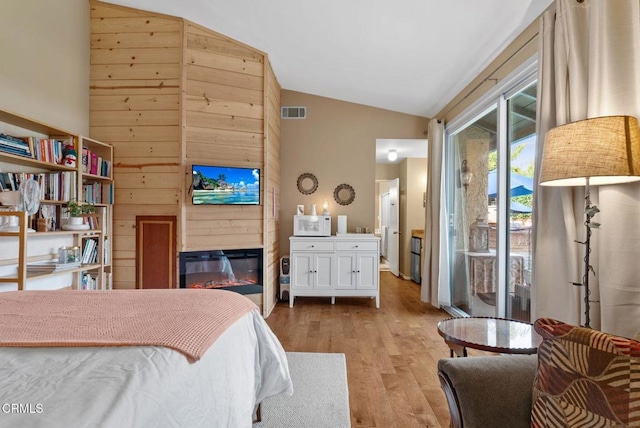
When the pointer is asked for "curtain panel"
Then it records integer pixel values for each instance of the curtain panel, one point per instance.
(435, 249)
(589, 66)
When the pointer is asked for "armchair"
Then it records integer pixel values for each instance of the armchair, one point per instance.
(580, 377)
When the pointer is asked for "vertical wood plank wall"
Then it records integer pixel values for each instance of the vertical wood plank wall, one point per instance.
(272, 187)
(168, 93)
(224, 126)
(135, 106)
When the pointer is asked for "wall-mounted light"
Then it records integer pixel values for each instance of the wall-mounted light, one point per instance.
(392, 155)
(465, 174)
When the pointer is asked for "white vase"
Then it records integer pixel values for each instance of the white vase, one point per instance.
(75, 221)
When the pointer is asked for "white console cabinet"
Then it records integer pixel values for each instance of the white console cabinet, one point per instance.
(335, 266)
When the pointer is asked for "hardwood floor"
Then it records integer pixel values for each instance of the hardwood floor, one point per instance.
(391, 352)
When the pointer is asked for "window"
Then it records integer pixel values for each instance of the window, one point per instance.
(490, 164)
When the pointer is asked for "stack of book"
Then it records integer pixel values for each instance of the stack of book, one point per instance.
(94, 164)
(54, 186)
(48, 149)
(90, 252)
(15, 146)
(50, 266)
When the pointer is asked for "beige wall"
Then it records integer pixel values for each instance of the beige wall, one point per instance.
(522, 48)
(45, 61)
(387, 171)
(414, 212)
(337, 144)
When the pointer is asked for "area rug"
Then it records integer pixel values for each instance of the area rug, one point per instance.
(320, 394)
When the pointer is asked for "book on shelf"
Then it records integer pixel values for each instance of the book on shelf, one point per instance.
(51, 266)
(85, 160)
(88, 282)
(93, 163)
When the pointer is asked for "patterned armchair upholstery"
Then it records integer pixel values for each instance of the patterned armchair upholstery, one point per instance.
(580, 377)
(585, 378)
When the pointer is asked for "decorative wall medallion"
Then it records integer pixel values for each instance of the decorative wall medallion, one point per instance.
(307, 183)
(344, 194)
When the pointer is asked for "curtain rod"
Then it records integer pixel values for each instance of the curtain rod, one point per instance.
(491, 74)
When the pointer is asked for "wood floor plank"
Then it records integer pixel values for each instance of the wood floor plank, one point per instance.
(391, 352)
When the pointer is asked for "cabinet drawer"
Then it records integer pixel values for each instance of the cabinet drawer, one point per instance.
(311, 245)
(357, 246)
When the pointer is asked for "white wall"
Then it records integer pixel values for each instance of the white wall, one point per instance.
(44, 74)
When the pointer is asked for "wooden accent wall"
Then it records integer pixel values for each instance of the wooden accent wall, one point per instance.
(135, 105)
(272, 189)
(168, 93)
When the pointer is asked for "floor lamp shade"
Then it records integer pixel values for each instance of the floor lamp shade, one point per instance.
(605, 150)
(601, 150)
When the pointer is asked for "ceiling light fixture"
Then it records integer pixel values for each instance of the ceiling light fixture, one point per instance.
(392, 155)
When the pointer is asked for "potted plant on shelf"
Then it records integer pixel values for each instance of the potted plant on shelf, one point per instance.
(77, 210)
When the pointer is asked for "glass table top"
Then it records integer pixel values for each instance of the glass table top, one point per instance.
(491, 334)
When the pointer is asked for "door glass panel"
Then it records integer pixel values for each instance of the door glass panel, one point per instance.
(473, 238)
(490, 169)
(521, 138)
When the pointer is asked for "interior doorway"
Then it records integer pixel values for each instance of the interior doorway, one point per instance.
(401, 172)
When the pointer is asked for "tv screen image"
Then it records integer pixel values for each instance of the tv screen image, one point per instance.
(224, 185)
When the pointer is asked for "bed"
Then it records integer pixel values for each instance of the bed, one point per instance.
(59, 370)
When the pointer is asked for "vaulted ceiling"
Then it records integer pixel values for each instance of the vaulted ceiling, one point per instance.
(409, 56)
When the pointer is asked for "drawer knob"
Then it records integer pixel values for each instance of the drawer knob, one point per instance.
(313, 246)
(356, 246)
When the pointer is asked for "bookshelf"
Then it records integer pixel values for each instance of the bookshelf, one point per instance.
(41, 157)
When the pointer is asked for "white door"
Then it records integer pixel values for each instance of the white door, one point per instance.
(393, 238)
(384, 223)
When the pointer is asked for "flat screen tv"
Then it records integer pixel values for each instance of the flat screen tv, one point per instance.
(224, 185)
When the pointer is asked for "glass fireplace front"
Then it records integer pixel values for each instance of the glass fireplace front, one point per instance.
(235, 270)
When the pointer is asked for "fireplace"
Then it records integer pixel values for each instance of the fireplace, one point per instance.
(235, 270)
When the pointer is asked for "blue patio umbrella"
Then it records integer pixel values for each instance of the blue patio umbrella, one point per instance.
(520, 184)
(517, 207)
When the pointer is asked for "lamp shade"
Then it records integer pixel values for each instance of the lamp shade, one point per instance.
(604, 149)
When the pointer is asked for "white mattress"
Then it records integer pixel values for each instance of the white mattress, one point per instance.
(144, 387)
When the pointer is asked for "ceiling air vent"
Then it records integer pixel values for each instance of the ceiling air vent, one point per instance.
(293, 112)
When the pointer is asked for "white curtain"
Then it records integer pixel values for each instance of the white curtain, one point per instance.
(589, 66)
(434, 248)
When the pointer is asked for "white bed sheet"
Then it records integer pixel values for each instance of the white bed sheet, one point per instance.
(144, 386)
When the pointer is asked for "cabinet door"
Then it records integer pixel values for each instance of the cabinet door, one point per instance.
(323, 270)
(302, 271)
(346, 271)
(368, 271)
(156, 252)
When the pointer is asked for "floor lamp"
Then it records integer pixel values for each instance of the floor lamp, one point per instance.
(591, 152)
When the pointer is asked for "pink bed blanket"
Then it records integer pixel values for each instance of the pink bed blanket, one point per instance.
(186, 320)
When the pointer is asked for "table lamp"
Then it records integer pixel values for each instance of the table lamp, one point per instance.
(597, 151)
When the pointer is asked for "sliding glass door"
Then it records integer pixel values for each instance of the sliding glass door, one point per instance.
(490, 159)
